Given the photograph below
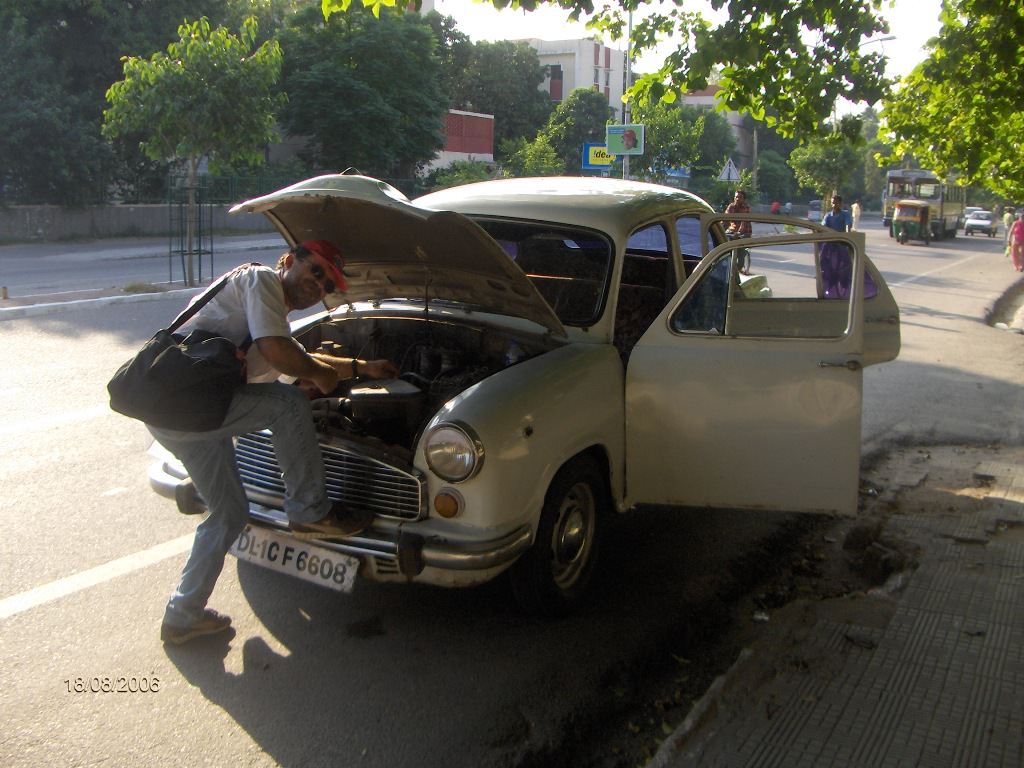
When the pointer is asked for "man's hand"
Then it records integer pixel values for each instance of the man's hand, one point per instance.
(350, 367)
(377, 369)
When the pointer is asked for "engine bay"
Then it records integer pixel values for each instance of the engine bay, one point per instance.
(436, 359)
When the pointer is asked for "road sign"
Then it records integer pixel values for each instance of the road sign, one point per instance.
(625, 139)
(729, 172)
(596, 157)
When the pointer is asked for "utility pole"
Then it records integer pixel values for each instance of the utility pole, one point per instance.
(628, 84)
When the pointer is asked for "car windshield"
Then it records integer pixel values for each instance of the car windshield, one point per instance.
(569, 267)
(982, 215)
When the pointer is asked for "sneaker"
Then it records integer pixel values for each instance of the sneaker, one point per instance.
(212, 623)
(339, 523)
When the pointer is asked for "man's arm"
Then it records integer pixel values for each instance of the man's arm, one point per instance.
(351, 367)
(286, 355)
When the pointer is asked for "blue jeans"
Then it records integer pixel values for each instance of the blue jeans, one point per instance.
(209, 458)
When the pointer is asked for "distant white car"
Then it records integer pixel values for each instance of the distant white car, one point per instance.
(981, 221)
(570, 348)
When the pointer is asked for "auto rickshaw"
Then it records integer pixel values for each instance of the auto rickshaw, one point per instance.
(911, 221)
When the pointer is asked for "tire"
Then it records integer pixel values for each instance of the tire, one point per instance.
(552, 577)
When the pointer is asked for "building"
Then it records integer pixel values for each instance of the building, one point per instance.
(467, 136)
(585, 63)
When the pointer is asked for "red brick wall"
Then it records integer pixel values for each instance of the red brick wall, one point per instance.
(469, 133)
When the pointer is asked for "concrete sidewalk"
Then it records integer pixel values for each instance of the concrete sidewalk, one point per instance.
(928, 671)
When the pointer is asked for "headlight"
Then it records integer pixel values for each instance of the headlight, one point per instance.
(454, 452)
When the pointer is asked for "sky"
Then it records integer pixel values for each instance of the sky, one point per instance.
(913, 23)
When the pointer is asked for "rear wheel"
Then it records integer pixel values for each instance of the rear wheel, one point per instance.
(552, 577)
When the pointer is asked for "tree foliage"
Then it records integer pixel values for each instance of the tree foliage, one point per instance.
(827, 162)
(532, 158)
(579, 120)
(357, 106)
(57, 59)
(796, 57)
(503, 79)
(212, 94)
(670, 140)
(962, 110)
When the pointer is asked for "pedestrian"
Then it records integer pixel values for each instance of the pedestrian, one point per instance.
(787, 208)
(837, 218)
(855, 214)
(1017, 243)
(738, 205)
(254, 304)
(740, 229)
(776, 208)
(1007, 225)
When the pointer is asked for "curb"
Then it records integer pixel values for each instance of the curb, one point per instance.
(704, 711)
(33, 310)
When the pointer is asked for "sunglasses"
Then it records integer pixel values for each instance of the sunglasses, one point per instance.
(319, 273)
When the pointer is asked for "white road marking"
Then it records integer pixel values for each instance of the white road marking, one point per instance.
(937, 270)
(55, 590)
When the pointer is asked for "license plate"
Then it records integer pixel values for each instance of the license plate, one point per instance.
(278, 552)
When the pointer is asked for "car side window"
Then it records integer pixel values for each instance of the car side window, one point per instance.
(647, 283)
(703, 311)
(795, 290)
(688, 233)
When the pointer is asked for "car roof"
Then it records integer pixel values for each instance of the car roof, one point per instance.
(614, 206)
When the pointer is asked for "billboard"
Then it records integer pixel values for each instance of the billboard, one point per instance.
(625, 139)
(596, 157)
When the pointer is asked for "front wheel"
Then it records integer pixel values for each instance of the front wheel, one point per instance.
(551, 578)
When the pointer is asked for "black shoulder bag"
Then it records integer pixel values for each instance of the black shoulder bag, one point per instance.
(181, 382)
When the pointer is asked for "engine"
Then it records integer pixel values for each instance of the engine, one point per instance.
(436, 359)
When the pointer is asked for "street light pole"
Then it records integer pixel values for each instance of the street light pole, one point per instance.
(628, 84)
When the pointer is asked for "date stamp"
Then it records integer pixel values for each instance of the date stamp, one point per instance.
(120, 684)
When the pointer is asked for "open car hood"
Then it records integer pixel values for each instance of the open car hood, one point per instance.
(395, 250)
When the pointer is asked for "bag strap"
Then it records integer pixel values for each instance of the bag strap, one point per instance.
(190, 311)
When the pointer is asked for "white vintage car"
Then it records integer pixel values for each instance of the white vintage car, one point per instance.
(569, 348)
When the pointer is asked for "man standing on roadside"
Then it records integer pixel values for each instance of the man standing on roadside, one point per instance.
(855, 213)
(254, 304)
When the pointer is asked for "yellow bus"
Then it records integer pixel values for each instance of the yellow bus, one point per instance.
(944, 199)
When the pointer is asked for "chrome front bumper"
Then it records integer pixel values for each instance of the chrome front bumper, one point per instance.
(393, 547)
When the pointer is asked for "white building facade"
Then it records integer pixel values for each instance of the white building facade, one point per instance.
(585, 63)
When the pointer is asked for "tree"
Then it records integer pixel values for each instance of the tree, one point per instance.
(670, 141)
(774, 177)
(356, 106)
(531, 158)
(962, 111)
(579, 120)
(211, 95)
(825, 163)
(455, 52)
(715, 145)
(503, 79)
(57, 59)
(798, 57)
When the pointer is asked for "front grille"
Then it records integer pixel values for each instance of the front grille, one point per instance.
(354, 478)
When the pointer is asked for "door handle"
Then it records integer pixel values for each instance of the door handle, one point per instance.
(850, 365)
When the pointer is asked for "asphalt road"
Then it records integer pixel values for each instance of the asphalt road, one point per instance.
(391, 675)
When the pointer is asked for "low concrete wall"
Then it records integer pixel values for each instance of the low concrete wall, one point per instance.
(21, 223)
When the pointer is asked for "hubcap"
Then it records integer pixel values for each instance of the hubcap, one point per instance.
(572, 537)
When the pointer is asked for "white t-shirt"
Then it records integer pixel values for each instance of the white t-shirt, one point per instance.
(251, 304)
